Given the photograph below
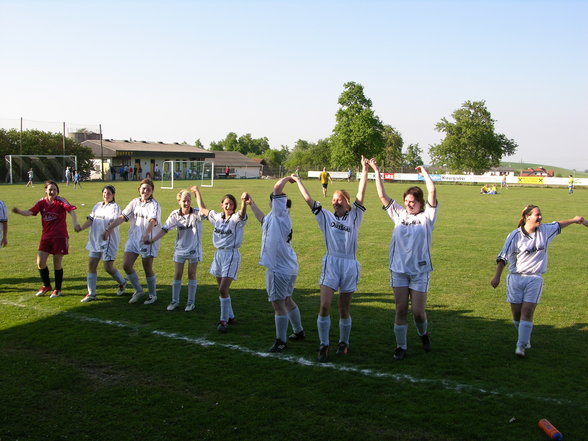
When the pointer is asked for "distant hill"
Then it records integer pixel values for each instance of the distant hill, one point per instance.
(561, 172)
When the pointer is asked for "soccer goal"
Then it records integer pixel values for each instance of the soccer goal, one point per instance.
(174, 173)
(44, 167)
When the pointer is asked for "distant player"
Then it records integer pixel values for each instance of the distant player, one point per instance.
(102, 216)
(281, 263)
(54, 238)
(325, 177)
(144, 215)
(410, 256)
(4, 222)
(77, 179)
(227, 238)
(525, 251)
(30, 174)
(340, 268)
(570, 184)
(188, 247)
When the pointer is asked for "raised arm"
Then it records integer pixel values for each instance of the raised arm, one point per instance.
(384, 198)
(362, 181)
(196, 192)
(575, 220)
(431, 190)
(259, 215)
(279, 186)
(243, 209)
(303, 191)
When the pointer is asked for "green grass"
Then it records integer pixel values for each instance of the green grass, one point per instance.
(108, 370)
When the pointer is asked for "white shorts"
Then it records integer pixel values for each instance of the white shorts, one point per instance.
(340, 274)
(107, 251)
(142, 249)
(191, 258)
(226, 263)
(523, 288)
(102, 255)
(279, 286)
(415, 282)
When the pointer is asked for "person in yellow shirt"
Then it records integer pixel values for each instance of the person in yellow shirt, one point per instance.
(325, 177)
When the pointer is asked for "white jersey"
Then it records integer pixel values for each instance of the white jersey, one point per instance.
(410, 248)
(228, 233)
(527, 253)
(3, 218)
(340, 233)
(277, 253)
(189, 234)
(101, 216)
(139, 214)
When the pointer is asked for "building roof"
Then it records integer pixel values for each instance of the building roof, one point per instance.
(233, 159)
(111, 149)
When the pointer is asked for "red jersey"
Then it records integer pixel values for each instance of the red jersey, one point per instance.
(53, 216)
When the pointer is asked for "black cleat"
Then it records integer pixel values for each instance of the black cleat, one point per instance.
(343, 349)
(323, 353)
(426, 342)
(297, 336)
(279, 346)
(399, 353)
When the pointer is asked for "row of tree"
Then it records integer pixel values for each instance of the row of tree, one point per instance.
(470, 143)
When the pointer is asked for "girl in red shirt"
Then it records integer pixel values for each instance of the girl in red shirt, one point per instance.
(54, 238)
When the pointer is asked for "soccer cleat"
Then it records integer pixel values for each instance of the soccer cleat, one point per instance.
(520, 351)
(189, 307)
(223, 326)
(231, 321)
(343, 349)
(172, 306)
(88, 298)
(297, 336)
(56, 293)
(323, 353)
(528, 345)
(136, 296)
(43, 290)
(279, 346)
(426, 342)
(150, 300)
(121, 289)
(399, 353)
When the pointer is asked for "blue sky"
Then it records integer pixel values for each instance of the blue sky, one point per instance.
(177, 71)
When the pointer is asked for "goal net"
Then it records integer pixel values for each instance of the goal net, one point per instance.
(42, 167)
(176, 173)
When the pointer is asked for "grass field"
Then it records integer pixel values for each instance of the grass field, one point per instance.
(108, 370)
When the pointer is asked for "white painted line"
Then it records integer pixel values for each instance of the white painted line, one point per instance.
(200, 341)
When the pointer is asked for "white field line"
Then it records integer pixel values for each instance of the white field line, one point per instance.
(200, 341)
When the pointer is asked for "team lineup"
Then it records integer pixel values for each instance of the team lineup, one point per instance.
(524, 252)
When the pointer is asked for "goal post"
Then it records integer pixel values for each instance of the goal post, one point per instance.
(174, 172)
(45, 167)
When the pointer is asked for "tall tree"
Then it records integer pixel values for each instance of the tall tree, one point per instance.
(307, 156)
(470, 143)
(358, 130)
(391, 157)
(412, 158)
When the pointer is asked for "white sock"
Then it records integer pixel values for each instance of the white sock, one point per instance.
(91, 279)
(400, 332)
(192, 285)
(118, 277)
(421, 327)
(176, 288)
(323, 325)
(344, 330)
(134, 279)
(225, 308)
(281, 326)
(295, 319)
(525, 329)
(152, 285)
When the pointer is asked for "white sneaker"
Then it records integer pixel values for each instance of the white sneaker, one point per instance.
(190, 307)
(88, 298)
(520, 351)
(150, 300)
(172, 306)
(56, 293)
(136, 296)
(528, 345)
(121, 289)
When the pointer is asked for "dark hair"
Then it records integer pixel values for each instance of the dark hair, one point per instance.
(288, 201)
(417, 193)
(50, 182)
(231, 197)
(526, 212)
(148, 182)
(111, 189)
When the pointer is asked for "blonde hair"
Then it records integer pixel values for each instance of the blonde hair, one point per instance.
(345, 195)
(181, 194)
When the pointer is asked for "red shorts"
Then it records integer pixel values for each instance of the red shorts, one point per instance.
(58, 245)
